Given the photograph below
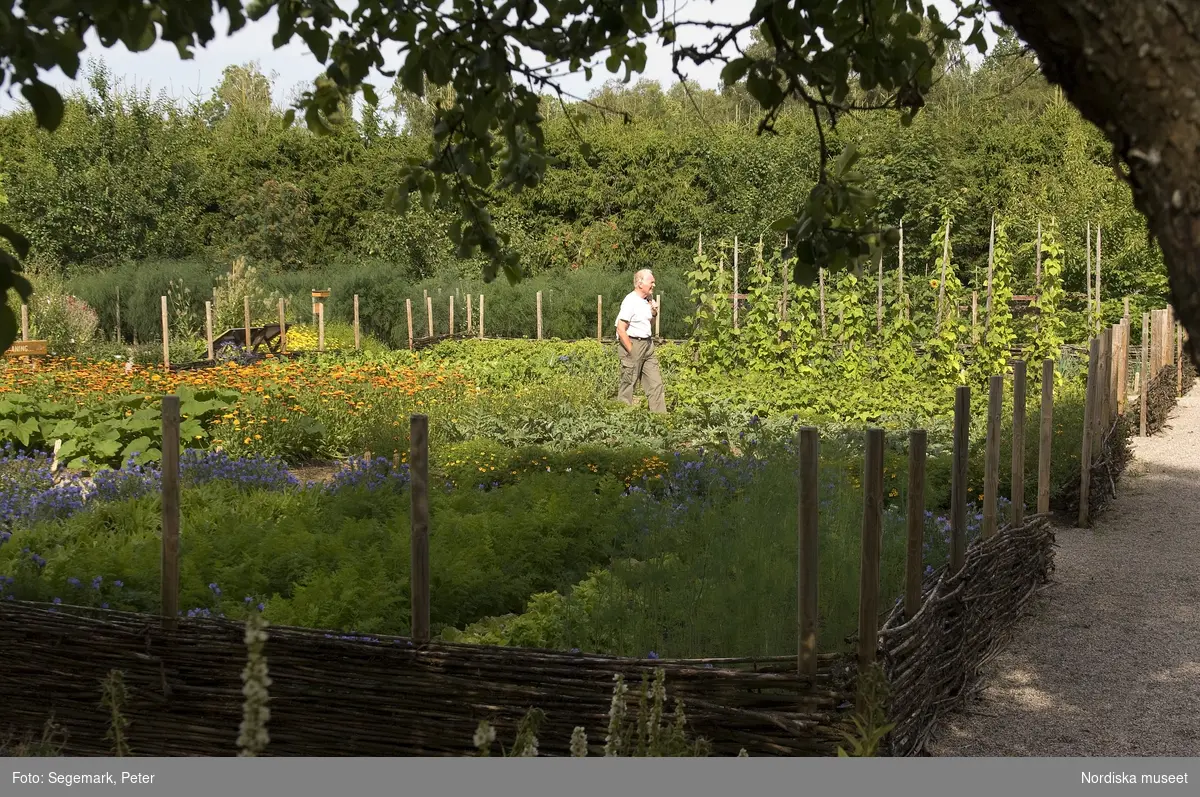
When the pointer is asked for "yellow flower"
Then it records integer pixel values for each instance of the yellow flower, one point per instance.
(246, 441)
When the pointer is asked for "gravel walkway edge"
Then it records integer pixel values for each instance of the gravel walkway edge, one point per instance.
(1108, 661)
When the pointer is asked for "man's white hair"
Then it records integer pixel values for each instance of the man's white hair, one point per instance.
(642, 276)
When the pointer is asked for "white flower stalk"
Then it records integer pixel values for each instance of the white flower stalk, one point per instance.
(485, 734)
(616, 717)
(579, 742)
(253, 737)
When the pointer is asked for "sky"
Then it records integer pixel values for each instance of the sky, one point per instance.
(162, 70)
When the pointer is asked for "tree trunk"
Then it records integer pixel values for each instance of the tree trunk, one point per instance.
(1132, 68)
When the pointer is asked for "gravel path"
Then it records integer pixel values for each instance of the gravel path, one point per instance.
(1108, 664)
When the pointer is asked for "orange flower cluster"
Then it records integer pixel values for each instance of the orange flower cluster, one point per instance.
(271, 389)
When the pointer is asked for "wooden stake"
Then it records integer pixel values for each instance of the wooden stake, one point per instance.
(166, 336)
(807, 567)
(914, 571)
(658, 317)
(208, 330)
(974, 316)
(735, 282)
(429, 313)
(170, 511)
(1123, 365)
(481, 316)
(470, 325)
(357, 337)
(1178, 360)
(958, 479)
(408, 307)
(1017, 495)
(119, 336)
(599, 317)
(1089, 412)
(246, 307)
(1143, 375)
(282, 329)
(1038, 258)
(879, 299)
(872, 539)
(1099, 303)
(321, 326)
(821, 284)
(942, 281)
(418, 471)
(1088, 277)
(24, 321)
(991, 266)
(1046, 443)
(991, 472)
(539, 315)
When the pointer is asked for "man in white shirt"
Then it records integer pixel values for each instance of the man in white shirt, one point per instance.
(635, 343)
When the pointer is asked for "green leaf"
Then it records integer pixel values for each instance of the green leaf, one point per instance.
(106, 448)
(735, 70)
(46, 102)
(137, 446)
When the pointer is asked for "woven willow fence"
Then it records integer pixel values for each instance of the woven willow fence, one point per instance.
(381, 696)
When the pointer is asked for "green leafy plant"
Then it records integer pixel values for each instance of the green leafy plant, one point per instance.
(871, 725)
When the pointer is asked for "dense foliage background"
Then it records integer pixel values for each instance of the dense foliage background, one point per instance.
(135, 191)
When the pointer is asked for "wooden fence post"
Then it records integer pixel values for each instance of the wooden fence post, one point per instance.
(166, 336)
(809, 500)
(357, 338)
(1018, 445)
(1123, 366)
(451, 330)
(408, 307)
(872, 539)
(470, 324)
(1046, 443)
(599, 317)
(991, 469)
(974, 317)
(1143, 372)
(658, 317)
(735, 282)
(879, 298)
(539, 315)
(170, 511)
(418, 471)
(25, 320)
(282, 329)
(321, 326)
(821, 282)
(914, 568)
(481, 316)
(118, 337)
(246, 307)
(1178, 359)
(429, 312)
(1089, 411)
(208, 332)
(958, 483)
